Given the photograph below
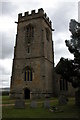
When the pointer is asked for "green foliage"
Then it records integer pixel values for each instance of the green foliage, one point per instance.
(4, 93)
(70, 69)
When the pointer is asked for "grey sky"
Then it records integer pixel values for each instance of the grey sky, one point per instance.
(7, 46)
(60, 14)
(8, 8)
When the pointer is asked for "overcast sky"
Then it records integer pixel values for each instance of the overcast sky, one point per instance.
(59, 11)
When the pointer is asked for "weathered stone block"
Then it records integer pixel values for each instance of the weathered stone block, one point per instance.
(33, 104)
(19, 103)
(62, 100)
(46, 104)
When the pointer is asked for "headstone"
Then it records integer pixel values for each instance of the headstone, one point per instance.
(33, 104)
(46, 104)
(62, 100)
(19, 103)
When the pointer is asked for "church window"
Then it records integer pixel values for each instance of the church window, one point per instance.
(47, 34)
(29, 33)
(63, 84)
(66, 85)
(25, 76)
(28, 75)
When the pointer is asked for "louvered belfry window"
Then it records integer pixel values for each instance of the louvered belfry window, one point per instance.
(29, 33)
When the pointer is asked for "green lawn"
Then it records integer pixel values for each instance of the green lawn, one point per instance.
(69, 110)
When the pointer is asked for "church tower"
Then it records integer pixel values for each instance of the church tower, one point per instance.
(32, 71)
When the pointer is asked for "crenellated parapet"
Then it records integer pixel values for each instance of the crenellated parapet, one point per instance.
(34, 15)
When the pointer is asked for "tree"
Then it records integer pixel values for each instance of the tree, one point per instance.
(70, 69)
(74, 47)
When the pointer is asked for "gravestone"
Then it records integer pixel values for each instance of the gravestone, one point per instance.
(33, 104)
(47, 104)
(19, 103)
(62, 100)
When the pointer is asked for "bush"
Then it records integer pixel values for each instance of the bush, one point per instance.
(5, 93)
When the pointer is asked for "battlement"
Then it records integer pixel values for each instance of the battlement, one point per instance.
(34, 14)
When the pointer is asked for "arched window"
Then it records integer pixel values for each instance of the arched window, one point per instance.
(28, 74)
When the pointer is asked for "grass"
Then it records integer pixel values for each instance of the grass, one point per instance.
(69, 110)
(7, 100)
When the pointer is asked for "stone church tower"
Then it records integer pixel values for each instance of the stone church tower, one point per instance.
(33, 63)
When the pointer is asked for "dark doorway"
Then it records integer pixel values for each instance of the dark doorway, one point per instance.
(26, 93)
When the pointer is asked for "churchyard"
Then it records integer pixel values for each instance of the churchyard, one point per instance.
(40, 108)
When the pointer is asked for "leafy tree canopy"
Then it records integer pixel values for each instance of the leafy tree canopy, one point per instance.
(70, 69)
